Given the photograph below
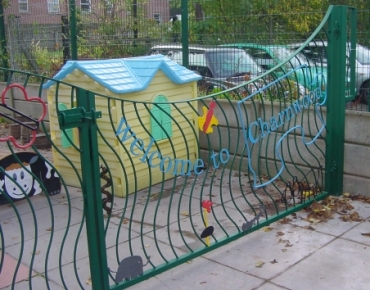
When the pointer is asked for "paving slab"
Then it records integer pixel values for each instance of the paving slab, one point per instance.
(200, 274)
(340, 265)
(268, 254)
(9, 265)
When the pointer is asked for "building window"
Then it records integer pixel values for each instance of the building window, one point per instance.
(161, 124)
(53, 6)
(85, 5)
(108, 6)
(23, 5)
(157, 17)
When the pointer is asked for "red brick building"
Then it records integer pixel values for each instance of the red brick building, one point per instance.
(50, 11)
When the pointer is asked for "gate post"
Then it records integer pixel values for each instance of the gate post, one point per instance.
(335, 125)
(84, 117)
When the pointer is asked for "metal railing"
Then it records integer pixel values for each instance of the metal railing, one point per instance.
(143, 184)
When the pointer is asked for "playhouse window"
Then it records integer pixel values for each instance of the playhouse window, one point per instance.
(161, 124)
(67, 132)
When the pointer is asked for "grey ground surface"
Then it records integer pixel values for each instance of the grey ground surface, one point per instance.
(294, 254)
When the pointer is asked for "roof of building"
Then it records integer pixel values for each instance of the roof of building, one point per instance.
(127, 75)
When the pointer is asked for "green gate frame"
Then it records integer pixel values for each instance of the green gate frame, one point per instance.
(84, 117)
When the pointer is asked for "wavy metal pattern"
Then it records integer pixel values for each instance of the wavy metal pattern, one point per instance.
(169, 200)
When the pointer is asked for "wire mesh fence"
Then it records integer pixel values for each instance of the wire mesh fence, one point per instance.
(39, 37)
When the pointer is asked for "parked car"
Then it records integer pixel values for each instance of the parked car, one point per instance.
(220, 67)
(306, 73)
(316, 52)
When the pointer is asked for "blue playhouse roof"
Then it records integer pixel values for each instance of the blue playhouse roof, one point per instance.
(127, 75)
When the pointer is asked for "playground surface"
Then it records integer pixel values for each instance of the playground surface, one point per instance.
(325, 247)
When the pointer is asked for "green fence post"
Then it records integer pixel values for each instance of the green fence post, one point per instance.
(337, 38)
(92, 191)
(185, 33)
(73, 28)
(84, 117)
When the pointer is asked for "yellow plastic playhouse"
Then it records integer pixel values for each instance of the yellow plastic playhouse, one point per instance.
(140, 79)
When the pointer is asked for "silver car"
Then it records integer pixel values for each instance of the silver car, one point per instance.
(316, 51)
(219, 67)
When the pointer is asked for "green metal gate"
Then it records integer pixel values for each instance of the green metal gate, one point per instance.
(242, 159)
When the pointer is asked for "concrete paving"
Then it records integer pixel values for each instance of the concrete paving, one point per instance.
(294, 254)
(297, 255)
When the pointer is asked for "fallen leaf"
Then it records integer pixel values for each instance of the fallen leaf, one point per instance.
(190, 261)
(88, 281)
(285, 221)
(309, 228)
(49, 229)
(147, 246)
(355, 217)
(64, 202)
(284, 250)
(280, 234)
(185, 213)
(273, 261)
(366, 234)
(346, 194)
(36, 253)
(267, 229)
(259, 264)
(282, 241)
(288, 245)
(125, 221)
(203, 282)
(345, 218)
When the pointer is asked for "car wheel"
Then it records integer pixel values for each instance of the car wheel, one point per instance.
(364, 93)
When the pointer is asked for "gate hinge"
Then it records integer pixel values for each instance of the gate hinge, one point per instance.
(75, 117)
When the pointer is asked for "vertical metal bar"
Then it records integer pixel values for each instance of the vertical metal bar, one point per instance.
(65, 39)
(72, 27)
(134, 15)
(92, 193)
(337, 36)
(184, 33)
(3, 49)
(353, 26)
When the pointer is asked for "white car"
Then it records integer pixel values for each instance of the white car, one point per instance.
(316, 51)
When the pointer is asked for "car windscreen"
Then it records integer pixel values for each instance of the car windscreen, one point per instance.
(284, 54)
(225, 63)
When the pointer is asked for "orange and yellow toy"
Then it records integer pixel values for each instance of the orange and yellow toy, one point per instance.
(208, 119)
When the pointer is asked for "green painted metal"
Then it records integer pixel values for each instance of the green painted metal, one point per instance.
(280, 171)
(91, 187)
(185, 33)
(73, 29)
(337, 35)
